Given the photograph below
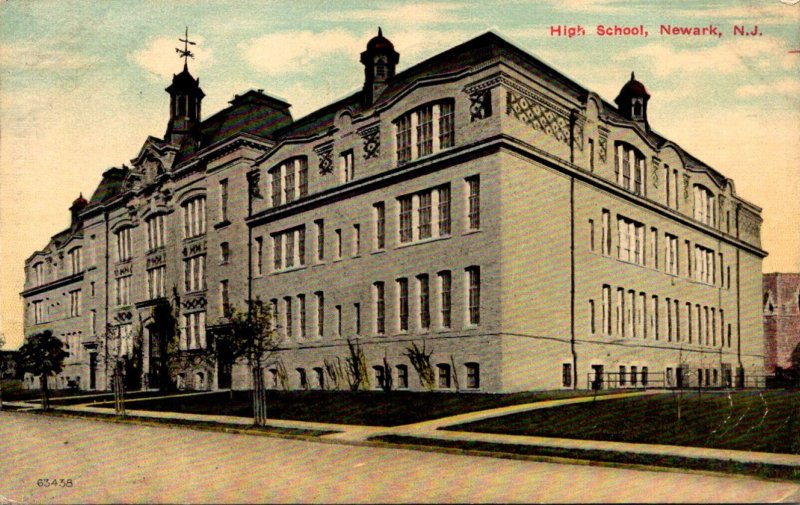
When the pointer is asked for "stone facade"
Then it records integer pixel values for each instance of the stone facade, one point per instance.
(529, 233)
(782, 320)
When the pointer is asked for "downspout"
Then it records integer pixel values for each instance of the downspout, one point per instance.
(105, 333)
(738, 305)
(573, 121)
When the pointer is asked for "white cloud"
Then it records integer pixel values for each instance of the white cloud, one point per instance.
(161, 59)
(298, 51)
(725, 57)
(771, 13)
(783, 87)
(408, 14)
(42, 58)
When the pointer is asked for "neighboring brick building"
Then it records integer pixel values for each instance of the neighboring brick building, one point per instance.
(533, 234)
(782, 320)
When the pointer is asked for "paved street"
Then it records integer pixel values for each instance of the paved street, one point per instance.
(128, 463)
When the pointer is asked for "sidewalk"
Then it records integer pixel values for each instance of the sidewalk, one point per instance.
(360, 435)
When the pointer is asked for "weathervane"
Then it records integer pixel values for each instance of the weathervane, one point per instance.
(185, 53)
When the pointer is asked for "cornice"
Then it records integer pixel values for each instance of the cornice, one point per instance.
(53, 284)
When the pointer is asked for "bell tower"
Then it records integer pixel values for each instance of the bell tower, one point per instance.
(632, 101)
(379, 60)
(185, 98)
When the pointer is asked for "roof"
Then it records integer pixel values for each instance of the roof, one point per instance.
(110, 186)
(254, 113)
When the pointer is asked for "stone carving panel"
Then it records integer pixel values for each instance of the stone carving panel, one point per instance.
(371, 135)
(325, 154)
(480, 104)
(538, 116)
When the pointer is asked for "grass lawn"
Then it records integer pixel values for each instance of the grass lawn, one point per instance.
(768, 422)
(13, 391)
(371, 408)
(607, 457)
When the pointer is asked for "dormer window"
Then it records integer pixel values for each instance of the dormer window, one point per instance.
(630, 168)
(424, 131)
(38, 273)
(704, 209)
(638, 108)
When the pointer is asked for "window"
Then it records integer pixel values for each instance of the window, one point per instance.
(380, 225)
(347, 166)
(319, 374)
(669, 319)
(619, 308)
(38, 312)
(634, 375)
(607, 310)
(591, 155)
(591, 317)
(622, 375)
(640, 327)
(302, 378)
(445, 290)
(91, 288)
(424, 131)
(721, 328)
(380, 308)
(276, 315)
(93, 321)
(224, 295)
(630, 311)
(721, 269)
(566, 375)
(337, 312)
(288, 249)
(606, 245)
(677, 320)
(705, 210)
(194, 273)
(474, 202)
(473, 375)
(630, 246)
(654, 247)
(259, 256)
(705, 265)
(357, 318)
(287, 180)
(156, 287)
(591, 234)
(644, 376)
(124, 244)
(444, 210)
(75, 303)
(423, 284)
(689, 321)
(123, 290)
(38, 273)
(338, 244)
(424, 215)
(713, 327)
(699, 313)
(671, 254)
(402, 301)
(380, 376)
(301, 301)
(224, 253)
(443, 370)
(320, 226)
(654, 317)
(320, 296)
(474, 295)
(75, 260)
(356, 239)
(446, 125)
(302, 171)
(194, 217)
(402, 377)
(193, 331)
(706, 328)
(287, 304)
(630, 164)
(223, 200)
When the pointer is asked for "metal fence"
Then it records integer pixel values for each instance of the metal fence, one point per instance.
(685, 379)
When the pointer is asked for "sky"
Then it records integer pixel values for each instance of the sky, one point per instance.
(82, 86)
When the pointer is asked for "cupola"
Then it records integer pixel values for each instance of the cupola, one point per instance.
(185, 97)
(632, 101)
(379, 60)
(77, 207)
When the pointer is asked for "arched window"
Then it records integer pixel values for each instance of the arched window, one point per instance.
(630, 168)
(704, 209)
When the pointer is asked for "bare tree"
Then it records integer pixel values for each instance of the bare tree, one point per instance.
(356, 366)
(251, 335)
(421, 361)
